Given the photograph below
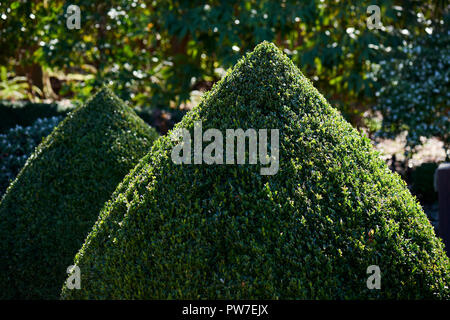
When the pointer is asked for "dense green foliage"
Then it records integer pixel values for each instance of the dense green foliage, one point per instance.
(17, 144)
(415, 95)
(49, 209)
(162, 50)
(225, 231)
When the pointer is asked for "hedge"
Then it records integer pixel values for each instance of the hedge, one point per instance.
(25, 113)
(47, 212)
(310, 231)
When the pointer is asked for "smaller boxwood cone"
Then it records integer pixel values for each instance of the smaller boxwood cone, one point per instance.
(51, 206)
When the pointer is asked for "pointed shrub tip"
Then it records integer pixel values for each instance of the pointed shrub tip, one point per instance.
(265, 47)
(102, 98)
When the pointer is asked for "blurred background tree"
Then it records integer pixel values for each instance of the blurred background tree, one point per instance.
(414, 95)
(160, 54)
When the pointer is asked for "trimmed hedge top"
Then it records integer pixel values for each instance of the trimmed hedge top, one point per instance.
(225, 231)
(49, 209)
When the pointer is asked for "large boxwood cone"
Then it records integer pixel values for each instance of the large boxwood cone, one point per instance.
(312, 230)
(50, 208)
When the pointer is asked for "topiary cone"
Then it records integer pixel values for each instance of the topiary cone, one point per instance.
(49, 209)
(310, 231)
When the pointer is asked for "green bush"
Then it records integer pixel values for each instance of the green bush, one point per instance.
(17, 144)
(49, 209)
(225, 231)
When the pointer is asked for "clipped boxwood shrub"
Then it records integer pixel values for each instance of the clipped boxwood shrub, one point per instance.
(49, 209)
(226, 231)
(17, 144)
